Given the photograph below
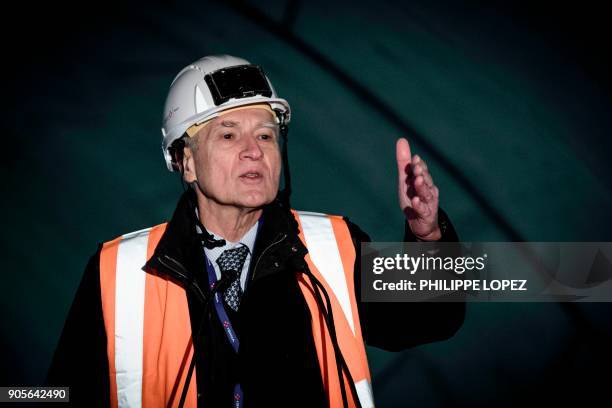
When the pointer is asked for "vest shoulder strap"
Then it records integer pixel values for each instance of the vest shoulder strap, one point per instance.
(331, 258)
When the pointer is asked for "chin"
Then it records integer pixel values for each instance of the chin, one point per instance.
(255, 199)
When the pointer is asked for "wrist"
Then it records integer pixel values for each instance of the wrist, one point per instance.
(435, 235)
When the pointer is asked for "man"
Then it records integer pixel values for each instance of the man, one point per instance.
(241, 301)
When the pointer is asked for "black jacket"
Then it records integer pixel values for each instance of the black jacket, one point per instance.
(277, 363)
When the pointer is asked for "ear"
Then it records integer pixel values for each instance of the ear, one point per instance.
(189, 173)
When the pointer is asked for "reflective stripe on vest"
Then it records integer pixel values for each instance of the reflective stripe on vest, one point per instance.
(149, 330)
(331, 258)
(147, 326)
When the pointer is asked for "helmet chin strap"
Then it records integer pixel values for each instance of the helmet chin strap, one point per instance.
(285, 194)
(208, 240)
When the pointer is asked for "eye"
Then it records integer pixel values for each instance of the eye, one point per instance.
(228, 136)
(266, 136)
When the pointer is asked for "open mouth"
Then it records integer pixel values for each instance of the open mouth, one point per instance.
(251, 176)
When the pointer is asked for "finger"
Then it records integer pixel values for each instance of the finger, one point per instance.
(420, 207)
(419, 169)
(416, 169)
(403, 157)
(419, 160)
(424, 192)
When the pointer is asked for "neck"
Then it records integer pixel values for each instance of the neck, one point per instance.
(227, 221)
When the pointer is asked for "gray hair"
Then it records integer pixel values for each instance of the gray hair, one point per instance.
(192, 142)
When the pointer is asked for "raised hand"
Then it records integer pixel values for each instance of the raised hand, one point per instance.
(418, 195)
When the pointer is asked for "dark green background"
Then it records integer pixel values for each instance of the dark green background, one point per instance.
(508, 103)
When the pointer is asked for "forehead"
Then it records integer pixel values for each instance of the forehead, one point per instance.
(248, 116)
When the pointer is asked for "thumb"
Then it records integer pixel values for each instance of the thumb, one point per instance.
(403, 156)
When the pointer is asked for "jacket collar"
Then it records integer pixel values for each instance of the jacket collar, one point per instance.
(179, 253)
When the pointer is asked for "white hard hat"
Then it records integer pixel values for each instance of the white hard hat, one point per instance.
(210, 85)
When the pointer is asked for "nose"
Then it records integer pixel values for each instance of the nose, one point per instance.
(251, 149)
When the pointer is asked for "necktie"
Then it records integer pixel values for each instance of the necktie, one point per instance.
(233, 260)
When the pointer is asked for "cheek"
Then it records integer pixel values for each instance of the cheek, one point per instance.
(217, 172)
(210, 171)
(275, 163)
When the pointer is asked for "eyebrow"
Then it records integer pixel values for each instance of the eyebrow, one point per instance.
(233, 123)
(229, 123)
(270, 125)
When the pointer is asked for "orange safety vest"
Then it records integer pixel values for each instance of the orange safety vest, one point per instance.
(148, 326)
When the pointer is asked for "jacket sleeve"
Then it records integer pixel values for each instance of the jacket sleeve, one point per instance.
(396, 326)
(80, 361)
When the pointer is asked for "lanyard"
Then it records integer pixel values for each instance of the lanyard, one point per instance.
(221, 313)
(227, 326)
(230, 333)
